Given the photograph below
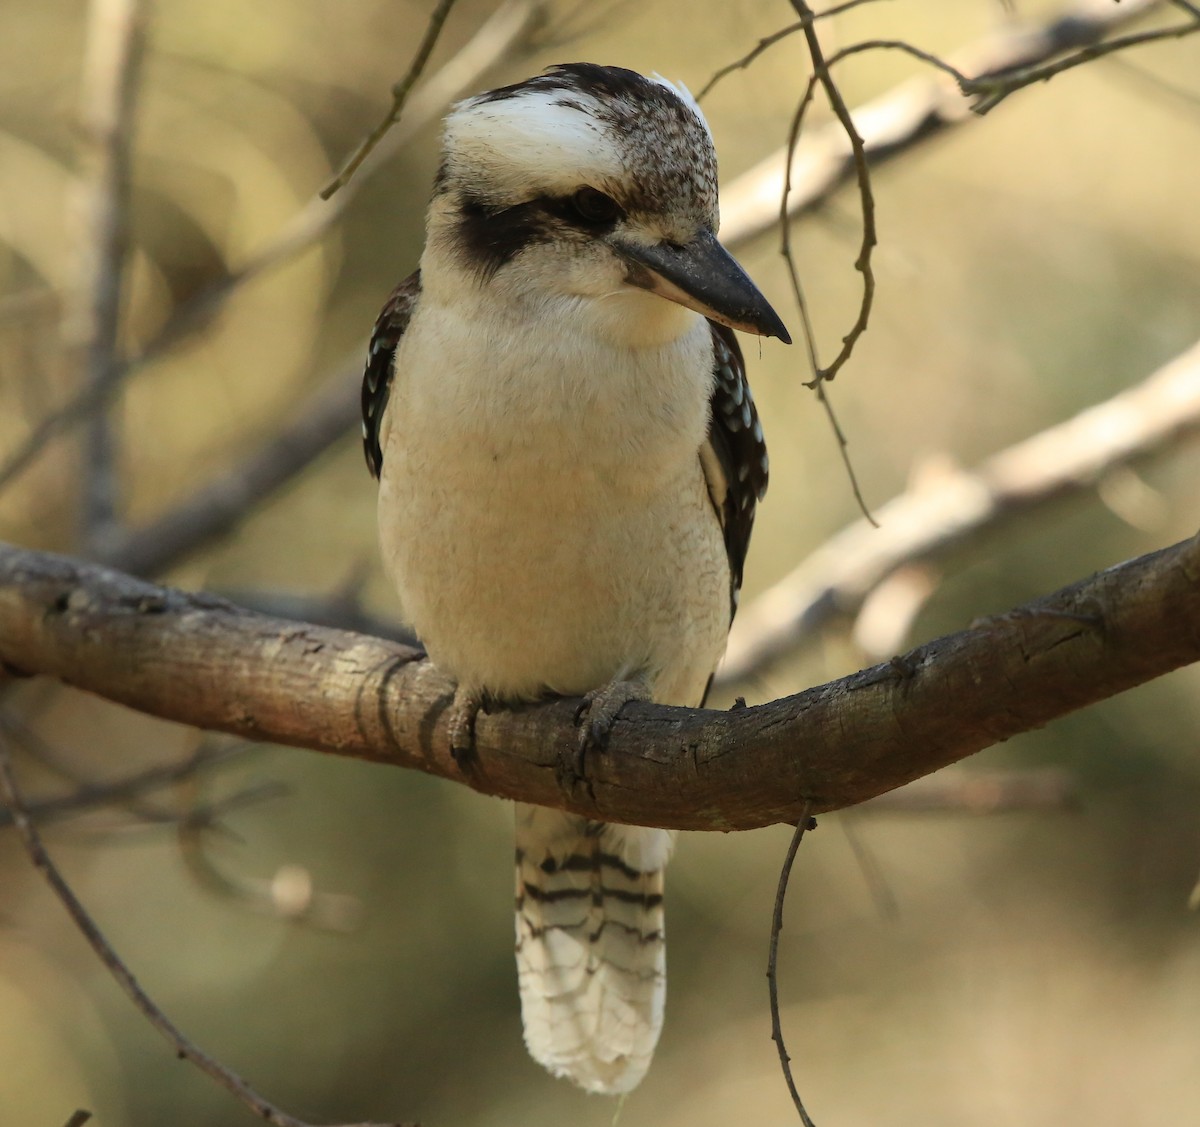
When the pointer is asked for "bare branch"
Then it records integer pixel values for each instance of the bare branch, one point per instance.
(821, 74)
(400, 93)
(509, 26)
(820, 374)
(991, 91)
(930, 520)
(777, 37)
(843, 443)
(88, 794)
(112, 73)
(906, 116)
(199, 660)
(183, 1048)
(804, 824)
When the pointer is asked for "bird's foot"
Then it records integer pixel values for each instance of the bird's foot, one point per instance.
(464, 710)
(595, 720)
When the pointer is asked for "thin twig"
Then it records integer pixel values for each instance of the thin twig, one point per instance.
(844, 450)
(911, 113)
(862, 263)
(926, 57)
(288, 895)
(112, 73)
(785, 230)
(183, 1048)
(992, 91)
(769, 41)
(400, 93)
(805, 822)
(88, 794)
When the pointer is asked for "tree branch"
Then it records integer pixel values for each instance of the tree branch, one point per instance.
(199, 660)
(858, 156)
(910, 113)
(928, 521)
(112, 72)
(990, 91)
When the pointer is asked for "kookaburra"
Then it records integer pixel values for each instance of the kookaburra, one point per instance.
(569, 461)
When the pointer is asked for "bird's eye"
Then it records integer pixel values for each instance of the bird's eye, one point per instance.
(594, 207)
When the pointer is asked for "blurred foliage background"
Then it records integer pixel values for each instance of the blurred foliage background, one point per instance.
(1035, 965)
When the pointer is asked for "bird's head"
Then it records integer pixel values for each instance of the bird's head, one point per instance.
(596, 186)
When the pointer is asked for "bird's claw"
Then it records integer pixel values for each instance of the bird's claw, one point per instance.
(595, 718)
(463, 711)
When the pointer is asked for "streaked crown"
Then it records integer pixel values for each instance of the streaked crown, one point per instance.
(643, 141)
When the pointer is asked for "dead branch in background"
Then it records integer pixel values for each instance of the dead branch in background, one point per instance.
(505, 32)
(289, 894)
(111, 79)
(89, 794)
(200, 660)
(990, 91)
(183, 1047)
(958, 505)
(907, 115)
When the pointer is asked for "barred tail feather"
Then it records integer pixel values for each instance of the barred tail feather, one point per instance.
(591, 957)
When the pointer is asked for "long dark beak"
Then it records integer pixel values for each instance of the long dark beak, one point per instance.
(705, 277)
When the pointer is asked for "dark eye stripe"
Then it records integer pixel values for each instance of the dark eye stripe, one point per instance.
(490, 238)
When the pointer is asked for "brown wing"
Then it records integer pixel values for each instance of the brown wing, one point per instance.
(734, 455)
(380, 367)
